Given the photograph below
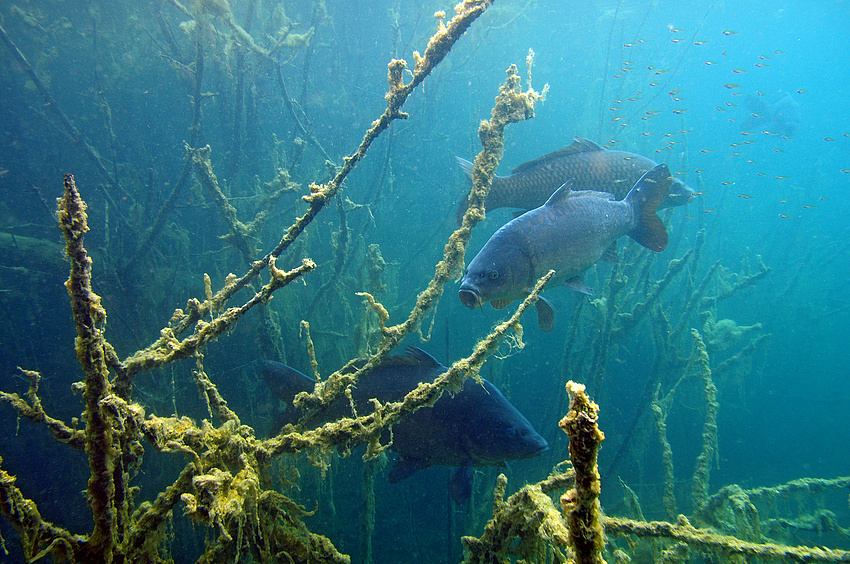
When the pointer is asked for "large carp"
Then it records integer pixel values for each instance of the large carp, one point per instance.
(568, 234)
(476, 426)
(587, 165)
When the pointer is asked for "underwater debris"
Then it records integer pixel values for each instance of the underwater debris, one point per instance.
(581, 504)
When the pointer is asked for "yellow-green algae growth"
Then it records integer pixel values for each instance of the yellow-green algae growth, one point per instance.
(225, 483)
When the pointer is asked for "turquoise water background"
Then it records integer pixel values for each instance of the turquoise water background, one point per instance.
(685, 67)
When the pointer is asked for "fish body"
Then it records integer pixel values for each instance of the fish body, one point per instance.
(568, 234)
(586, 165)
(474, 427)
(782, 117)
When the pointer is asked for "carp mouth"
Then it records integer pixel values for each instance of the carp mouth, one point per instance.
(470, 298)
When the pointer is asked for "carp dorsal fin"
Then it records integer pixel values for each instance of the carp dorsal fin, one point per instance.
(579, 145)
(560, 194)
(422, 358)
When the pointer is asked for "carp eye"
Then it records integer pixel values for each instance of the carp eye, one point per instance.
(494, 274)
(510, 431)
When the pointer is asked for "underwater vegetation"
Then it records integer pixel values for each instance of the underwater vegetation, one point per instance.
(169, 478)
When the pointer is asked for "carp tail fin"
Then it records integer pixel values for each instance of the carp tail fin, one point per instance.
(644, 198)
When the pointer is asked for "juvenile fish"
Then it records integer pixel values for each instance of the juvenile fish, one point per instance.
(568, 234)
(587, 165)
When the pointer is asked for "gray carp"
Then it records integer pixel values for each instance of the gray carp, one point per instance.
(568, 234)
(587, 165)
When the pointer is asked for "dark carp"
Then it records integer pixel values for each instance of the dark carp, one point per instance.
(587, 165)
(474, 427)
(568, 234)
(782, 117)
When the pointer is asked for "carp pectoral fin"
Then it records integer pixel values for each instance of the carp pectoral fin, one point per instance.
(545, 314)
(460, 486)
(610, 254)
(577, 284)
(500, 304)
(405, 467)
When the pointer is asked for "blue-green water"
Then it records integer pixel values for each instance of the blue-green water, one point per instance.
(677, 75)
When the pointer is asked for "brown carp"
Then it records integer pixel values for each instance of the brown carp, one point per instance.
(586, 164)
(568, 234)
